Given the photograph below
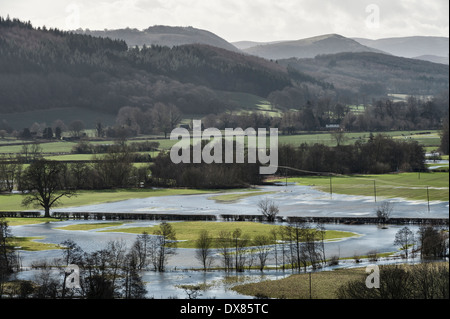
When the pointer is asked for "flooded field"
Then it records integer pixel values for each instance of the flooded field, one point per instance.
(292, 200)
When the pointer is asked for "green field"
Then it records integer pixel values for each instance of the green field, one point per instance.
(30, 244)
(188, 232)
(18, 221)
(228, 198)
(412, 186)
(324, 285)
(88, 226)
(428, 139)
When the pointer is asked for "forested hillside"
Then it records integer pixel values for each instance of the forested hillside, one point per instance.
(48, 69)
(45, 69)
(368, 75)
(162, 35)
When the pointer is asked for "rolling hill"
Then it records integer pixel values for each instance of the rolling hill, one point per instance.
(369, 72)
(164, 36)
(307, 48)
(419, 47)
(46, 69)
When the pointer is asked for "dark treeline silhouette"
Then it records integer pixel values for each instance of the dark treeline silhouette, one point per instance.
(205, 175)
(380, 154)
(303, 111)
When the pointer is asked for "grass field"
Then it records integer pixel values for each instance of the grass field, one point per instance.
(188, 232)
(323, 285)
(228, 198)
(88, 226)
(412, 186)
(30, 244)
(429, 139)
(27, 221)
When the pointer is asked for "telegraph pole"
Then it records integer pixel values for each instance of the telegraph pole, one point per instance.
(310, 295)
(331, 188)
(375, 191)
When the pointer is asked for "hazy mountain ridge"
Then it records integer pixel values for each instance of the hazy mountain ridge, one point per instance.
(308, 48)
(49, 69)
(411, 47)
(163, 36)
(387, 73)
(433, 58)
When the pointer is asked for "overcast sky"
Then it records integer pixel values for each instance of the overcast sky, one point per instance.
(235, 20)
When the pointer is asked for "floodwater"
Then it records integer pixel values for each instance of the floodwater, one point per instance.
(292, 200)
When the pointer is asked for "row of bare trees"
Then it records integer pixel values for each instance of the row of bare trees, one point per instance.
(430, 242)
(292, 246)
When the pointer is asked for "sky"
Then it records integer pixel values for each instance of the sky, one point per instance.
(238, 20)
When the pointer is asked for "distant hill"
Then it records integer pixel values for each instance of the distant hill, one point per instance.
(243, 45)
(49, 69)
(433, 58)
(410, 47)
(308, 48)
(368, 73)
(164, 36)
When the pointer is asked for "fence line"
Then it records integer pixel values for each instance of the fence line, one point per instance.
(232, 217)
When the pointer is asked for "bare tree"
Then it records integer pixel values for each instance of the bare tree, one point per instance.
(404, 238)
(142, 247)
(204, 252)
(274, 234)
(240, 242)
(225, 243)
(10, 170)
(7, 260)
(384, 210)
(338, 136)
(166, 117)
(44, 181)
(134, 287)
(166, 239)
(76, 127)
(262, 243)
(268, 208)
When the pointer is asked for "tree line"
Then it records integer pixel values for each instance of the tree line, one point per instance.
(115, 169)
(307, 113)
(380, 154)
